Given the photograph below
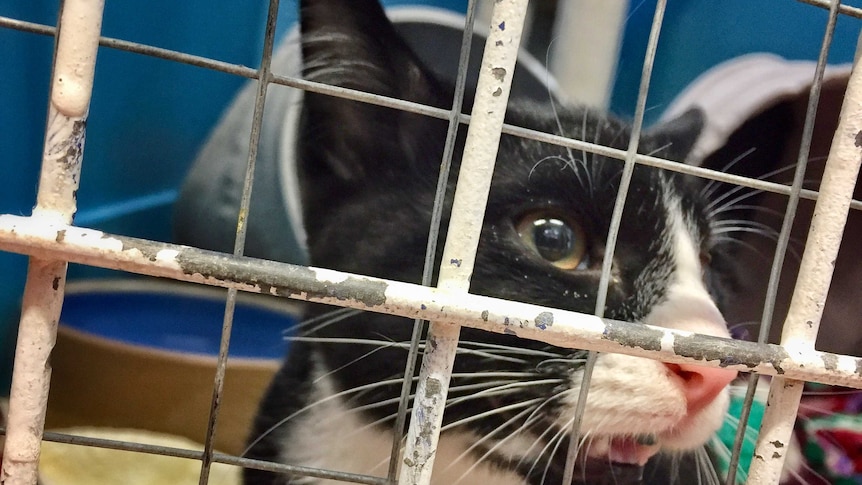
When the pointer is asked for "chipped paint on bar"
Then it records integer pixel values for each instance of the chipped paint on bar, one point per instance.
(837, 184)
(569, 329)
(462, 238)
(62, 154)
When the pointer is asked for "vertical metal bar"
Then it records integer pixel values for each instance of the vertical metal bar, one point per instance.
(71, 88)
(616, 218)
(471, 194)
(784, 236)
(434, 232)
(812, 284)
(263, 79)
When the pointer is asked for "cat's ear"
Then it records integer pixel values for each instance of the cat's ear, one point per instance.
(352, 44)
(674, 139)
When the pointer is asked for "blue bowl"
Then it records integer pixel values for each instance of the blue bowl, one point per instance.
(177, 317)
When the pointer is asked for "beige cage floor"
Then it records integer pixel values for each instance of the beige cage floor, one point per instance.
(64, 464)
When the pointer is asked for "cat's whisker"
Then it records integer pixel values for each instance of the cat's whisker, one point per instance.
(484, 374)
(357, 359)
(541, 452)
(558, 440)
(384, 344)
(739, 188)
(311, 405)
(324, 320)
(728, 240)
(705, 468)
(487, 437)
(489, 355)
(750, 435)
(490, 451)
(492, 349)
(503, 389)
(510, 349)
(732, 204)
(452, 390)
(731, 229)
(716, 205)
(563, 133)
(584, 444)
(348, 340)
(555, 437)
(734, 223)
(490, 388)
(722, 451)
(710, 187)
(527, 421)
(558, 158)
(659, 149)
(754, 230)
(560, 361)
(747, 207)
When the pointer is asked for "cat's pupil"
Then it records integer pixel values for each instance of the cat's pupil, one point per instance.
(554, 239)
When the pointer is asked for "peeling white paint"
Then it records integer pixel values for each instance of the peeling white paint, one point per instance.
(570, 329)
(327, 275)
(62, 153)
(168, 256)
(667, 342)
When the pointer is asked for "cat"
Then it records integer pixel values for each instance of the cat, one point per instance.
(368, 177)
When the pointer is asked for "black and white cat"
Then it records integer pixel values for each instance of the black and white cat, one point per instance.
(368, 177)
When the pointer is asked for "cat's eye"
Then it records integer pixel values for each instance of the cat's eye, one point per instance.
(555, 237)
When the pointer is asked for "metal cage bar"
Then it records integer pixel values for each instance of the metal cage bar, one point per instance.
(433, 234)
(462, 239)
(51, 241)
(71, 88)
(263, 76)
(613, 233)
(815, 275)
(570, 329)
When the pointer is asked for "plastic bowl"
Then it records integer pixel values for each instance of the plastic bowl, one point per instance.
(142, 354)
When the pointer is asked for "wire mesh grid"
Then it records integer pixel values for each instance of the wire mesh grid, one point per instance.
(50, 239)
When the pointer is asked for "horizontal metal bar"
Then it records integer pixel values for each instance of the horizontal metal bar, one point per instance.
(842, 9)
(138, 48)
(557, 327)
(161, 450)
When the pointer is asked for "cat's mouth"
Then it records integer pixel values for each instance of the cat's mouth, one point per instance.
(632, 450)
(622, 458)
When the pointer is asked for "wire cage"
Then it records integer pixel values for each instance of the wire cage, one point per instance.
(51, 241)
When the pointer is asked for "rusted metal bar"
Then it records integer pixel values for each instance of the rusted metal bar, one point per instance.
(557, 327)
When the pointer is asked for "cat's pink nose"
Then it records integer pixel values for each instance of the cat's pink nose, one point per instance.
(701, 385)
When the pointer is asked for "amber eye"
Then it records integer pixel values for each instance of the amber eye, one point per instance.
(555, 237)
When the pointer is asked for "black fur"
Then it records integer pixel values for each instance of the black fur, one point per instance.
(368, 178)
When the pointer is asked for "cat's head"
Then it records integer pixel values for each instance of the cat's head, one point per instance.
(369, 175)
